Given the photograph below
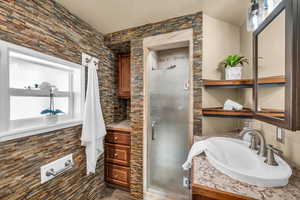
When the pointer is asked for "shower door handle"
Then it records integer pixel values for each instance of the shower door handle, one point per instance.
(153, 129)
(187, 85)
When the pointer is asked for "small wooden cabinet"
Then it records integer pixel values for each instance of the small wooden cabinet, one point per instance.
(124, 75)
(117, 158)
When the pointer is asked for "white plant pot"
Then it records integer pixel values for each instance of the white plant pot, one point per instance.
(51, 119)
(233, 73)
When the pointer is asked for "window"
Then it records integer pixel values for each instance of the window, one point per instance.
(23, 73)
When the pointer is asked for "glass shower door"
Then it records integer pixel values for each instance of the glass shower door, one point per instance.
(169, 115)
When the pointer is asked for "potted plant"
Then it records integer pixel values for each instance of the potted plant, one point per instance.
(51, 113)
(233, 67)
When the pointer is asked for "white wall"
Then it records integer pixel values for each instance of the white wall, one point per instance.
(220, 39)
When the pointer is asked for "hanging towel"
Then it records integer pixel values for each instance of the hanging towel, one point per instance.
(197, 148)
(93, 129)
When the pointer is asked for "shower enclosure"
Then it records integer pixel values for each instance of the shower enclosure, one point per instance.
(168, 121)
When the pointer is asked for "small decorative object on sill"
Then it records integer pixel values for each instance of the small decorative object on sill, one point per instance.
(233, 67)
(34, 87)
(51, 113)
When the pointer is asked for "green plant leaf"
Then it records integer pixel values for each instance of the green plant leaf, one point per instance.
(234, 60)
(46, 111)
(57, 111)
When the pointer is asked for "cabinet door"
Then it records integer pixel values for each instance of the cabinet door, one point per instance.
(276, 54)
(117, 175)
(124, 75)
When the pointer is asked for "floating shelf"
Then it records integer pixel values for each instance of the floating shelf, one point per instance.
(272, 113)
(245, 113)
(219, 112)
(245, 83)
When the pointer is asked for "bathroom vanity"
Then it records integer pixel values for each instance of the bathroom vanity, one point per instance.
(210, 184)
(117, 154)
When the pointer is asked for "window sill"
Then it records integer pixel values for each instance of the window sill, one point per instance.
(30, 131)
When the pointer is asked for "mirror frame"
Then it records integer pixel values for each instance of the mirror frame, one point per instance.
(291, 121)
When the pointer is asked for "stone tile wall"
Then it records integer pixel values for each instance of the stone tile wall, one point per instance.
(47, 27)
(135, 37)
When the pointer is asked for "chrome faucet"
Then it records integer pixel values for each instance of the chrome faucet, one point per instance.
(256, 134)
(270, 160)
(254, 140)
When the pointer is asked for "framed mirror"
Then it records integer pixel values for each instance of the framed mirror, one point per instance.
(276, 62)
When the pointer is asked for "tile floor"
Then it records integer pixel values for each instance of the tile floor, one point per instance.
(115, 194)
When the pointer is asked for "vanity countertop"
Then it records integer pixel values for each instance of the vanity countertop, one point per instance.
(205, 174)
(119, 126)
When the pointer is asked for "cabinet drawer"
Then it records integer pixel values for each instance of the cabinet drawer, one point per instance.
(117, 154)
(117, 137)
(117, 175)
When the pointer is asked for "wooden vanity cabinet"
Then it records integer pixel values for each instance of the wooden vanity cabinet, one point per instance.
(117, 158)
(124, 75)
(204, 193)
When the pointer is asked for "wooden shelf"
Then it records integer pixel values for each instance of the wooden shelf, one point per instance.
(219, 112)
(272, 113)
(245, 113)
(245, 83)
(272, 81)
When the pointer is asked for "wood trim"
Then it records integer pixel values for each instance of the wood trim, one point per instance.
(271, 80)
(218, 111)
(271, 113)
(245, 113)
(245, 83)
(203, 191)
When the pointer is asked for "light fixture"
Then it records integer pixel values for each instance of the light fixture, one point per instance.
(258, 11)
(253, 16)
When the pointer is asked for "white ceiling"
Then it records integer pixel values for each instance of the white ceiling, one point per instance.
(113, 15)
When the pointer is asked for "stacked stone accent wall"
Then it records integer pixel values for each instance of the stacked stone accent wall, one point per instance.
(135, 36)
(47, 27)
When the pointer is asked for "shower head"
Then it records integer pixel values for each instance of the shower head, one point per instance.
(171, 67)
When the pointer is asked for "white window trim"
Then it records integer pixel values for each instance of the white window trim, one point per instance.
(5, 132)
(30, 131)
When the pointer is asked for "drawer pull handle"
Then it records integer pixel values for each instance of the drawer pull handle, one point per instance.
(116, 176)
(115, 155)
(116, 138)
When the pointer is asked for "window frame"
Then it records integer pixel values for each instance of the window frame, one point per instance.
(9, 129)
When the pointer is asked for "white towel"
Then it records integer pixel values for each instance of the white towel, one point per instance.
(197, 148)
(93, 129)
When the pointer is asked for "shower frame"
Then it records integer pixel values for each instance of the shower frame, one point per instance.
(177, 39)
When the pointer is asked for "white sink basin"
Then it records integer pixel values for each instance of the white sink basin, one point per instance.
(235, 159)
